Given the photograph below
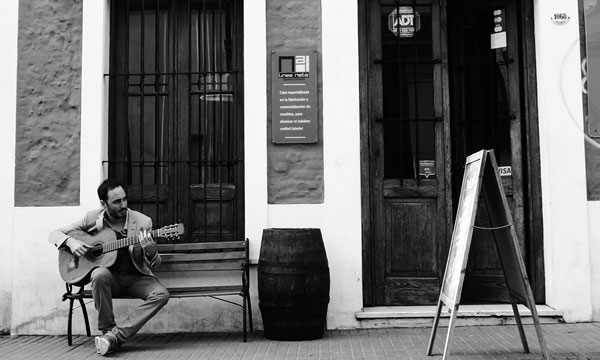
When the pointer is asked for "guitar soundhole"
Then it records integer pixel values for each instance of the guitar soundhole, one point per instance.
(96, 251)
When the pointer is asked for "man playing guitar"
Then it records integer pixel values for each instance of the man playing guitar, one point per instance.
(130, 274)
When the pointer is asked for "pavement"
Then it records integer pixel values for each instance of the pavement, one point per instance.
(564, 341)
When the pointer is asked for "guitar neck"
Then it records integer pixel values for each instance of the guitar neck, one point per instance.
(125, 242)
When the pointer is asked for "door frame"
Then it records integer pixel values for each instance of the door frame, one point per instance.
(534, 257)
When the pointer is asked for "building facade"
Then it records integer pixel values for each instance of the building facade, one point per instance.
(352, 117)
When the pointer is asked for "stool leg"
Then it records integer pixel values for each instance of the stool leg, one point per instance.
(70, 322)
(85, 318)
(250, 311)
(244, 310)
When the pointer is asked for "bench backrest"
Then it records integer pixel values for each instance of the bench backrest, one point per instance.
(209, 256)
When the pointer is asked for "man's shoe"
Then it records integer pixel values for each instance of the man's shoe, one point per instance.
(106, 344)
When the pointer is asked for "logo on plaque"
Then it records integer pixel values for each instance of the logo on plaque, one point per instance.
(294, 67)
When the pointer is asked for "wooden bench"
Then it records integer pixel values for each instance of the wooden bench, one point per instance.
(231, 256)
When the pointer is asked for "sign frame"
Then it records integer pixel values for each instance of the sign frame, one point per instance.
(294, 97)
(482, 167)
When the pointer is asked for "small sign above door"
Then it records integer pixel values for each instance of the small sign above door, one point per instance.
(404, 21)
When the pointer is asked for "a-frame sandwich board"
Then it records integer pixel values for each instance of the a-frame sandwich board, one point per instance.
(481, 176)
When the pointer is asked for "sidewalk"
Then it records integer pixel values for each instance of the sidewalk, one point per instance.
(565, 341)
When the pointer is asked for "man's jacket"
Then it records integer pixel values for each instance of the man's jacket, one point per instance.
(93, 222)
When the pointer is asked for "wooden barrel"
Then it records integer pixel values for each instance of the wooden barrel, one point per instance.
(293, 284)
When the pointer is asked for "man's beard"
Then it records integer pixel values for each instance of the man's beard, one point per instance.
(119, 214)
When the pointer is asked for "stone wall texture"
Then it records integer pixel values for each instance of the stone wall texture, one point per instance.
(48, 127)
(295, 171)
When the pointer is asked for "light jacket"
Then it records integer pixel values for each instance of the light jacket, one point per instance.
(93, 222)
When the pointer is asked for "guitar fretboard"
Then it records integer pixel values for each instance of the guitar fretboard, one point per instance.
(125, 242)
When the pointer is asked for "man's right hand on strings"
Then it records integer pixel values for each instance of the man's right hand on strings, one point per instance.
(78, 247)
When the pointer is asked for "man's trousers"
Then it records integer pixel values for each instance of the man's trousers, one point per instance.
(106, 284)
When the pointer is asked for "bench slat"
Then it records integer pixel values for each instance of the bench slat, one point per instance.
(169, 267)
(202, 257)
(206, 291)
(201, 246)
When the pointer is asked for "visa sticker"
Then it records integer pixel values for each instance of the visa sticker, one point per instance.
(505, 170)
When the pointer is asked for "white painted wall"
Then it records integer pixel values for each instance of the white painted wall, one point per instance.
(255, 121)
(8, 108)
(564, 199)
(341, 132)
(339, 217)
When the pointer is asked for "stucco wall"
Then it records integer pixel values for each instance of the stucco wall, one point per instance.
(48, 103)
(295, 171)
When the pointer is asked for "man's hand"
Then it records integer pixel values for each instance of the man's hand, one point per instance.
(148, 243)
(78, 247)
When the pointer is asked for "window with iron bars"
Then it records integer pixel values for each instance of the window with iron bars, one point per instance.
(175, 113)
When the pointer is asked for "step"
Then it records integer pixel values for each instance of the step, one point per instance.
(468, 315)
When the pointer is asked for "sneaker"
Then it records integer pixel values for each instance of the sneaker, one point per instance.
(106, 344)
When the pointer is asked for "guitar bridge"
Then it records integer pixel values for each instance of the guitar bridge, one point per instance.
(74, 263)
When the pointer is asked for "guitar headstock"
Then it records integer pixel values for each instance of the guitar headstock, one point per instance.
(171, 231)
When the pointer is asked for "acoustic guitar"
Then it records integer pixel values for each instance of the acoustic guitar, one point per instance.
(75, 270)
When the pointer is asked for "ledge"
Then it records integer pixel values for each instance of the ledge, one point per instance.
(494, 310)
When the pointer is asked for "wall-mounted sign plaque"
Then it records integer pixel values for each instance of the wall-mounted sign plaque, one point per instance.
(294, 97)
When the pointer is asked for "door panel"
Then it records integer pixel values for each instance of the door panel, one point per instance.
(411, 262)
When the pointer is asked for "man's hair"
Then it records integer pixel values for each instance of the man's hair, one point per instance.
(106, 186)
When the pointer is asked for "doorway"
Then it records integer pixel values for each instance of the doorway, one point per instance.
(445, 79)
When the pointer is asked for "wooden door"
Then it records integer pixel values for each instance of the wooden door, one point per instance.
(175, 127)
(435, 93)
(486, 105)
(407, 121)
